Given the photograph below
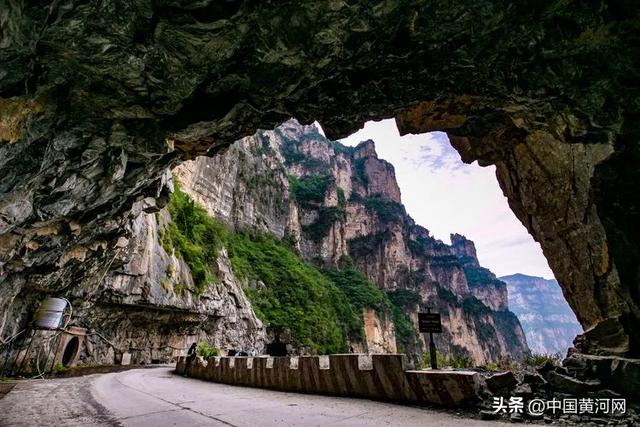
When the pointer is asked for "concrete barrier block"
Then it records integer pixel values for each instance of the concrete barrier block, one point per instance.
(309, 367)
(446, 388)
(281, 370)
(241, 371)
(337, 375)
(389, 375)
(259, 371)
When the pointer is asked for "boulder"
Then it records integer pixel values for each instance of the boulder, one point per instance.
(575, 364)
(545, 368)
(523, 390)
(617, 373)
(501, 381)
(533, 378)
(570, 385)
(604, 338)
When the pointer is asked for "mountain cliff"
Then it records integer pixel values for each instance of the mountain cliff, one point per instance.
(548, 322)
(340, 207)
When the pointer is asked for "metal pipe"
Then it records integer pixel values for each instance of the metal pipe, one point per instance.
(6, 359)
(26, 353)
(55, 354)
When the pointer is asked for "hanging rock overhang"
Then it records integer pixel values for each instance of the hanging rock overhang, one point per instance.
(99, 98)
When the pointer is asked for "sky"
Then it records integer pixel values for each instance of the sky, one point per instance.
(445, 195)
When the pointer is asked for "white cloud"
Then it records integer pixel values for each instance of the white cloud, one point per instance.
(447, 196)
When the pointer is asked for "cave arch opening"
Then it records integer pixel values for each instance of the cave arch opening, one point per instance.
(466, 198)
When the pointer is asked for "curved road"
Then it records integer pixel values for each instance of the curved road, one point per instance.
(156, 397)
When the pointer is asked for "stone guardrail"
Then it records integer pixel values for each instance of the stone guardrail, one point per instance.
(377, 376)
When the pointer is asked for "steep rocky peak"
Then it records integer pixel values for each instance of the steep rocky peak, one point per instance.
(293, 129)
(354, 169)
(366, 149)
(348, 203)
(380, 175)
(464, 248)
(483, 284)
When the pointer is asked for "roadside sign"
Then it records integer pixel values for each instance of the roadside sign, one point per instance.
(429, 322)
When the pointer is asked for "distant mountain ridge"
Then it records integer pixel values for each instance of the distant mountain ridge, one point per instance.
(548, 322)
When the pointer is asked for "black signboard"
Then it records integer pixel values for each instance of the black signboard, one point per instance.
(429, 322)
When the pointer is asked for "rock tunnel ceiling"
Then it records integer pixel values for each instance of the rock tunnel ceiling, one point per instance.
(97, 99)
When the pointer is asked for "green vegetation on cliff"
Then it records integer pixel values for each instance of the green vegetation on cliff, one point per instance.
(405, 298)
(359, 167)
(293, 155)
(293, 294)
(386, 209)
(194, 235)
(406, 333)
(362, 293)
(322, 309)
(310, 189)
(473, 305)
(446, 295)
(362, 246)
(310, 192)
(327, 216)
(479, 275)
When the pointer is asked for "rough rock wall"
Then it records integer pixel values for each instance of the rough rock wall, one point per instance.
(379, 332)
(547, 92)
(550, 187)
(143, 301)
(151, 280)
(547, 319)
(243, 187)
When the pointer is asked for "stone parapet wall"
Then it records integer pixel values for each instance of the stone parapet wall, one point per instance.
(378, 376)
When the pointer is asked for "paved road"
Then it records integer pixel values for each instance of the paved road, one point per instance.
(156, 397)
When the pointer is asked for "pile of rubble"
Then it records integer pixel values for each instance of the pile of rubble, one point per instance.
(585, 390)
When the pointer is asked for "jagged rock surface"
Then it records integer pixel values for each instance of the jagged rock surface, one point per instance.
(547, 319)
(98, 98)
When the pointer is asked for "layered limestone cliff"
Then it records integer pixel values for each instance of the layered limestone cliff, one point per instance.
(547, 319)
(249, 187)
(153, 281)
(340, 205)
